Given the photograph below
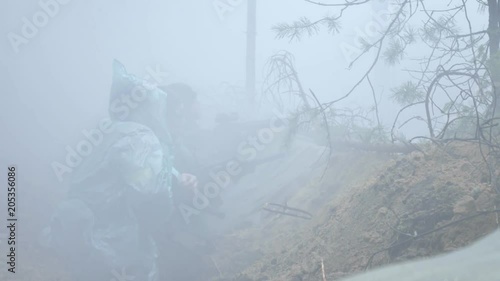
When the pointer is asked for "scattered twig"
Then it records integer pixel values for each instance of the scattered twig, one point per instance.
(367, 266)
(216, 266)
(287, 211)
(498, 222)
(323, 269)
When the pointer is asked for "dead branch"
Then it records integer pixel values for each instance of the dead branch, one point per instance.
(382, 148)
(477, 214)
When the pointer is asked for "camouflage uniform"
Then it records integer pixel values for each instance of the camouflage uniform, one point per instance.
(120, 193)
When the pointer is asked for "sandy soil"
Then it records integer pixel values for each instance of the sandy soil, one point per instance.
(378, 202)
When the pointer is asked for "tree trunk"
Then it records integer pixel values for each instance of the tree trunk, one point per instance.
(251, 38)
(494, 45)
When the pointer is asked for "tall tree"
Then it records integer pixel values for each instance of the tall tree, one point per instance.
(457, 81)
(455, 64)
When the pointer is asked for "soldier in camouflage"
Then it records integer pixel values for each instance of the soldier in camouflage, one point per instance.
(122, 192)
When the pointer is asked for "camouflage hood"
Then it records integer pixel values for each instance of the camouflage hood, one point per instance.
(136, 100)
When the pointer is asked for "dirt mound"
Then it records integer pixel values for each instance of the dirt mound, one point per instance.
(365, 203)
(415, 206)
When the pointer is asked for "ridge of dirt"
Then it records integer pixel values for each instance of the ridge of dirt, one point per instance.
(364, 203)
(402, 197)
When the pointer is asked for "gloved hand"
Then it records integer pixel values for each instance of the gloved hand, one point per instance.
(188, 180)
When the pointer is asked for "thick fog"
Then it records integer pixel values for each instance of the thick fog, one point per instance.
(57, 83)
(56, 69)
